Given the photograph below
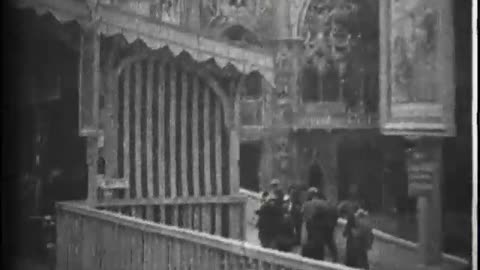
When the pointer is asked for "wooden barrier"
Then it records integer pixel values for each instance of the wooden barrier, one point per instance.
(176, 146)
(174, 124)
(184, 212)
(89, 238)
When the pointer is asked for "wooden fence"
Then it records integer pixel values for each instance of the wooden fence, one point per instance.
(169, 130)
(89, 238)
(220, 215)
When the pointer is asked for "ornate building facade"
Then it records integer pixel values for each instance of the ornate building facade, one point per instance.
(183, 98)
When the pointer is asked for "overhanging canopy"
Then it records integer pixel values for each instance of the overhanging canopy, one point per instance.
(155, 34)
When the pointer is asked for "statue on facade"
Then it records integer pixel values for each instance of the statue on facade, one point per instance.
(334, 32)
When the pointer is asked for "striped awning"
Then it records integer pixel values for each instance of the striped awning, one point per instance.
(155, 34)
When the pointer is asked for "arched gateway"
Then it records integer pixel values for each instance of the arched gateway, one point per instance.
(175, 143)
(174, 123)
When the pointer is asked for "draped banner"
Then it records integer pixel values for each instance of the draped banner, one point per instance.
(417, 93)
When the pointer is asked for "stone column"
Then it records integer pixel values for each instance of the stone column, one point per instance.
(279, 117)
(424, 165)
(331, 163)
(89, 95)
(281, 19)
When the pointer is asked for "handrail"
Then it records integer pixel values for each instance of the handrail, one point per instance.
(230, 246)
(172, 201)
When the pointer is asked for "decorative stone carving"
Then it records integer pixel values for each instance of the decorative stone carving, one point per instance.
(286, 68)
(414, 36)
(255, 16)
(169, 11)
(328, 29)
(340, 39)
(281, 153)
(232, 12)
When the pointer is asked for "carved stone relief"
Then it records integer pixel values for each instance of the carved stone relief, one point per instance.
(285, 69)
(338, 37)
(169, 11)
(254, 15)
(281, 153)
(414, 38)
(329, 31)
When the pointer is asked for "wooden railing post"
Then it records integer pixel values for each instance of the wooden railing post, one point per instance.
(89, 82)
(236, 212)
(89, 95)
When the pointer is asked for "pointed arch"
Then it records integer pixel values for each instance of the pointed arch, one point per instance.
(164, 58)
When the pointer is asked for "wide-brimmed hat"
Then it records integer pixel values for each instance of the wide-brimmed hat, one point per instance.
(275, 182)
(312, 190)
(361, 213)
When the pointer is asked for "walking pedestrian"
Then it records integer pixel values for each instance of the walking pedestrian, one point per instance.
(313, 232)
(286, 235)
(296, 212)
(359, 240)
(331, 223)
(276, 191)
(270, 214)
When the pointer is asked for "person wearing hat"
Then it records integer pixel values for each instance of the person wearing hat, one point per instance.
(330, 225)
(313, 225)
(296, 211)
(286, 235)
(276, 191)
(270, 214)
(359, 240)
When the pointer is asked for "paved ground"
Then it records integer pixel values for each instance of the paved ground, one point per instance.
(377, 261)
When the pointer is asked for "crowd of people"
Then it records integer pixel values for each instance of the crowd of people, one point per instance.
(287, 221)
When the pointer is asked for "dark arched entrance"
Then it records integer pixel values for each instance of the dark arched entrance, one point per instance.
(250, 154)
(315, 176)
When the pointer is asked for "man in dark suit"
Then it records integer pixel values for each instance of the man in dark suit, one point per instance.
(314, 225)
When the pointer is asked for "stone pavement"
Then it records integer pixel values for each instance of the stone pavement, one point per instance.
(378, 261)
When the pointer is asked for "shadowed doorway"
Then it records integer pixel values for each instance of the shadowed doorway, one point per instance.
(249, 165)
(315, 176)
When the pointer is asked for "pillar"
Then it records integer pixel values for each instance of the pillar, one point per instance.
(281, 19)
(89, 95)
(425, 175)
(279, 144)
(330, 159)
